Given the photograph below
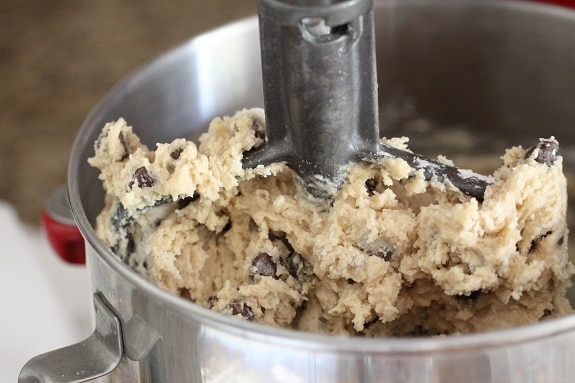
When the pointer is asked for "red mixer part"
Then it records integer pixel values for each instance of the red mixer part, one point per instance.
(566, 3)
(60, 228)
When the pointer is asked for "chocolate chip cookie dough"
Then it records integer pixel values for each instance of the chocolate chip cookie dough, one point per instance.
(393, 254)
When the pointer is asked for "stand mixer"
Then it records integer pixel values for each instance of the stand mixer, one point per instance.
(161, 337)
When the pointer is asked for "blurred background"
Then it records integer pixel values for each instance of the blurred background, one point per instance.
(58, 59)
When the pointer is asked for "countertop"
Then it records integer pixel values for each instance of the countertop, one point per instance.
(46, 302)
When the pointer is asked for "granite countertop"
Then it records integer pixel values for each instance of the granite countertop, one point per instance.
(57, 59)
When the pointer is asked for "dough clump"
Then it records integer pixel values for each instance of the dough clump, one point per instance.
(392, 255)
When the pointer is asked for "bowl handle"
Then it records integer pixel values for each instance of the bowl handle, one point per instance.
(92, 358)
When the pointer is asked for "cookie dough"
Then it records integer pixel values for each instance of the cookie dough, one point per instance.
(392, 255)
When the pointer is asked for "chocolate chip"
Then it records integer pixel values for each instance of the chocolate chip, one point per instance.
(298, 266)
(546, 151)
(371, 186)
(227, 227)
(212, 299)
(176, 153)
(378, 249)
(547, 313)
(385, 254)
(264, 265)
(259, 129)
(242, 309)
(142, 178)
(561, 240)
(124, 143)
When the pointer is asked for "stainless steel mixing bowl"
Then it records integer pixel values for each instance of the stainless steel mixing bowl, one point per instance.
(489, 73)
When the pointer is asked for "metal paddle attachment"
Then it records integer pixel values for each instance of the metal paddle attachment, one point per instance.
(320, 95)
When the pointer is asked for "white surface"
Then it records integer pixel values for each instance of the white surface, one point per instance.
(46, 303)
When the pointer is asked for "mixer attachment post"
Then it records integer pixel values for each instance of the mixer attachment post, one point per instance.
(320, 94)
(319, 75)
